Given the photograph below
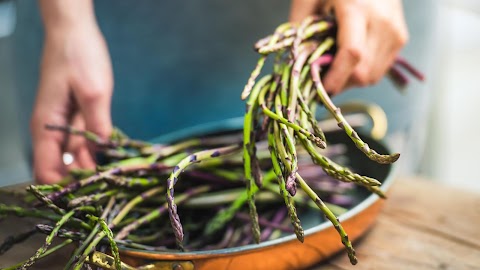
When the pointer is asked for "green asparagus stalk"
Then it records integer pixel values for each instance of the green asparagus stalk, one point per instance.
(109, 234)
(48, 241)
(330, 216)
(283, 191)
(248, 151)
(172, 179)
(342, 123)
(251, 81)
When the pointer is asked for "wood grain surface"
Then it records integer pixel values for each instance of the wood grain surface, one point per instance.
(423, 225)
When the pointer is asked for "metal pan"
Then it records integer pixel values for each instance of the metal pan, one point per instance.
(321, 239)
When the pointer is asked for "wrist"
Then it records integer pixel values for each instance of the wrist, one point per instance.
(59, 16)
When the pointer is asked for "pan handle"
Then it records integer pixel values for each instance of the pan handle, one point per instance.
(355, 112)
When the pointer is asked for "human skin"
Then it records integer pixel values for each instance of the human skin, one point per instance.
(370, 36)
(75, 87)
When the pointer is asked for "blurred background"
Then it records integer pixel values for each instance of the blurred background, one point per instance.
(158, 71)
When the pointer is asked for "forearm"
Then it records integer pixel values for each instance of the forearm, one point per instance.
(61, 14)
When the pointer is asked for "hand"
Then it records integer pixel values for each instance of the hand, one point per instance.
(75, 89)
(370, 35)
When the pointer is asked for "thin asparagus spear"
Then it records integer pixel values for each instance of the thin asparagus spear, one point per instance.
(342, 123)
(271, 48)
(48, 241)
(109, 234)
(172, 179)
(283, 191)
(251, 81)
(88, 241)
(135, 201)
(45, 200)
(160, 211)
(295, 127)
(330, 216)
(326, 45)
(316, 28)
(335, 170)
(300, 34)
(225, 215)
(97, 140)
(70, 188)
(248, 151)
(22, 212)
(91, 199)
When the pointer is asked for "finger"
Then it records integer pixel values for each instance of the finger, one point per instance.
(85, 159)
(362, 74)
(300, 9)
(382, 62)
(388, 50)
(47, 145)
(78, 145)
(94, 101)
(351, 36)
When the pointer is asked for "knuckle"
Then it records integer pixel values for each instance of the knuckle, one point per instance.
(402, 37)
(400, 34)
(354, 53)
(92, 94)
(361, 77)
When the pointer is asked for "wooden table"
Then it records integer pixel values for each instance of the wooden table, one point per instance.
(423, 225)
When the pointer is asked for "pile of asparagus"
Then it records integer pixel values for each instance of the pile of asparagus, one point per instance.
(217, 182)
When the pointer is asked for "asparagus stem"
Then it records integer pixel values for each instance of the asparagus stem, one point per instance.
(249, 156)
(134, 202)
(295, 127)
(113, 245)
(289, 160)
(105, 175)
(335, 170)
(316, 28)
(41, 197)
(225, 215)
(22, 212)
(91, 199)
(90, 242)
(160, 211)
(172, 179)
(48, 240)
(406, 65)
(90, 136)
(326, 45)
(330, 216)
(342, 123)
(271, 48)
(300, 34)
(275, 224)
(283, 191)
(251, 81)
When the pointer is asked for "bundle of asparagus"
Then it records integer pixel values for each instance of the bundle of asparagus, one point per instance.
(118, 204)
